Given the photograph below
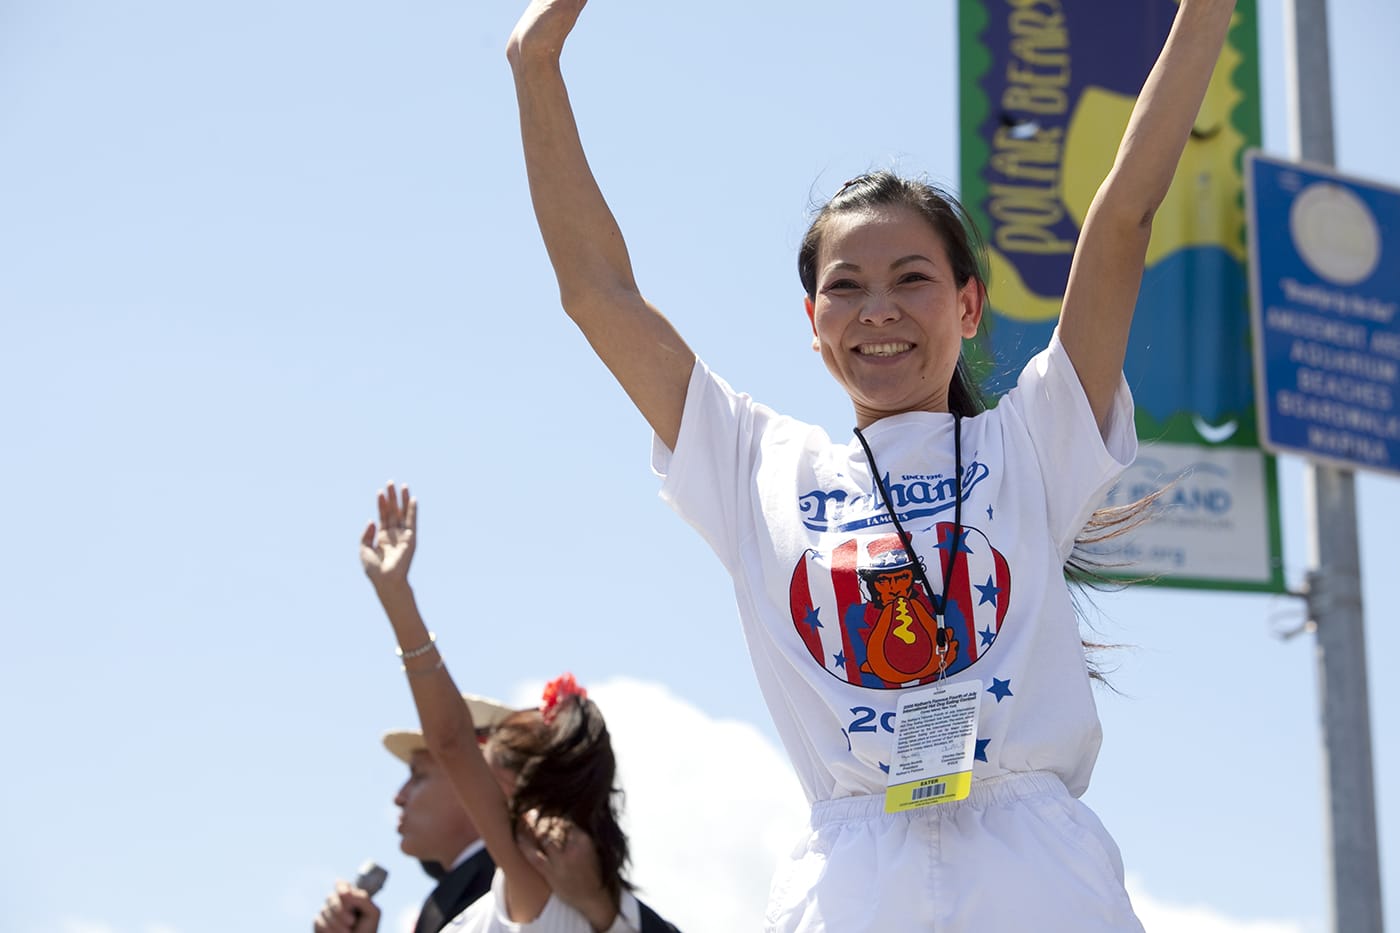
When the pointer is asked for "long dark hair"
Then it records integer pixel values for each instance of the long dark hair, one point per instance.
(967, 255)
(565, 767)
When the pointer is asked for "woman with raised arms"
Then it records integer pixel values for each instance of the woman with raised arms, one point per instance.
(921, 563)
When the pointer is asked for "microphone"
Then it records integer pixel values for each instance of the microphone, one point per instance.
(371, 878)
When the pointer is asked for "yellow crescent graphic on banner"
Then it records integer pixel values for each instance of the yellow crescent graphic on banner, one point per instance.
(1190, 216)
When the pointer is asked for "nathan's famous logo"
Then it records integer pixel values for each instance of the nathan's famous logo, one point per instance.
(865, 618)
(912, 497)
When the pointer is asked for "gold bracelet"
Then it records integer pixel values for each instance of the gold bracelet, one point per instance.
(420, 650)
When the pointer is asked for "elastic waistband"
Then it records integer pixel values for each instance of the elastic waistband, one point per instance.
(1005, 788)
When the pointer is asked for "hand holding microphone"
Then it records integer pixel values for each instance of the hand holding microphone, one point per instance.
(349, 909)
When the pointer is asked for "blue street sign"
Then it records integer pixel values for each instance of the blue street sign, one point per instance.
(1325, 280)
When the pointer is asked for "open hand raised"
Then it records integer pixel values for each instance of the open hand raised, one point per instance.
(387, 553)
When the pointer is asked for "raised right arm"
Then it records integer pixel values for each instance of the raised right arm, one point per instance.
(386, 553)
(596, 286)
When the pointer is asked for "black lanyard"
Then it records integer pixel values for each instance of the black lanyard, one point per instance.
(940, 602)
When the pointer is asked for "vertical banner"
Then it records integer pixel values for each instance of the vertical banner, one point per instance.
(1047, 89)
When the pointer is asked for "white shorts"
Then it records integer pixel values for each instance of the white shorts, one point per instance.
(1018, 854)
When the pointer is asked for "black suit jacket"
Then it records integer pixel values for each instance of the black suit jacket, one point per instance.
(455, 892)
(461, 887)
(652, 922)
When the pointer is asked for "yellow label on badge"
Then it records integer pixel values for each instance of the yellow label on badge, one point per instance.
(928, 791)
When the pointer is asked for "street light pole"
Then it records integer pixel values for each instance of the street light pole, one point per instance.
(1334, 586)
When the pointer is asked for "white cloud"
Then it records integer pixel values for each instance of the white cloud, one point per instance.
(1161, 917)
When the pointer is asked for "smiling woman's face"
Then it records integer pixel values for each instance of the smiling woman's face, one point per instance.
(889, 317)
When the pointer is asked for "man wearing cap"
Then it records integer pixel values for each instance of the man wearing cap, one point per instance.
(435, 829)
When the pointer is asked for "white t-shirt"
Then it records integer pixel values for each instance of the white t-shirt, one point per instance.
(826, 595)
(488, 915)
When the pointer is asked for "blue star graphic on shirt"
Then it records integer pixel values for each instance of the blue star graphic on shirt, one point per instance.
(981, 753)
(988, 636)
(1001, 689)
(989, 590)
(989, 513)
(884, 767)
(945, 542)
(812, 619)
(839, 660)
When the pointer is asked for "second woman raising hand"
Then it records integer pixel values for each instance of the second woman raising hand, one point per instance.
(386, 554)
(541, 792)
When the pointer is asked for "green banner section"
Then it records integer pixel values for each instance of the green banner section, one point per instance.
(1047, 87)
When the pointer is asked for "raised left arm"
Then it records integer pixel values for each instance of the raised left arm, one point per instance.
(1106, 271)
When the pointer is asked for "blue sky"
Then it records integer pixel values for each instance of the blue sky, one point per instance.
(259, 258)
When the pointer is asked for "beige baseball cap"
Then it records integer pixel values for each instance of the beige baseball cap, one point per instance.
(486, 714)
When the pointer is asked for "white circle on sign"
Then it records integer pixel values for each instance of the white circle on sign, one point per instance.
(1335, 233)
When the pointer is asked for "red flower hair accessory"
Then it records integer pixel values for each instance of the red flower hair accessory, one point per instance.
(556, 692)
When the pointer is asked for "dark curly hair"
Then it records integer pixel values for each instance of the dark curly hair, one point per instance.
(566, 768)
